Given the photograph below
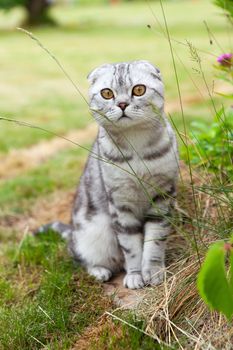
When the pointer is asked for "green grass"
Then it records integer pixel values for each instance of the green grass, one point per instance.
(51, 308)
(55, 114)
(61, 172)
(129, 337)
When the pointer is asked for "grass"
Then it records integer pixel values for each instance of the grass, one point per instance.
(53, 113)
(115, 335)
(46, 301)
(20, 193)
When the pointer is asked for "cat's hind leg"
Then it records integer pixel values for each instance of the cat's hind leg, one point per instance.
(95, 244)
(101, 273)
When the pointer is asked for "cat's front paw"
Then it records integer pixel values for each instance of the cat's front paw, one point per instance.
(154, 275)
(133, 281)
(100, 273)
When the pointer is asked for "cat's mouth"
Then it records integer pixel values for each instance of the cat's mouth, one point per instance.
(124, 116)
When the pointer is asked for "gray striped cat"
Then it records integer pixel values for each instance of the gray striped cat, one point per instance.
(122, 211)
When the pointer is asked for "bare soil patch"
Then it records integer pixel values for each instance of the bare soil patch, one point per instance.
(54, 207)
(57, 207)
(174, 106)
(17, 162)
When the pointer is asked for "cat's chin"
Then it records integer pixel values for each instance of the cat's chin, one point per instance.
(126, 122)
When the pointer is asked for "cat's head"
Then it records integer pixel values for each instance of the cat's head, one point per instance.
(126, 94)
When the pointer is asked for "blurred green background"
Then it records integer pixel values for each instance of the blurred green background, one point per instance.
(84, 34)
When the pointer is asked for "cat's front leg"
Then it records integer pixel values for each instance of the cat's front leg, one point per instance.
(157, 228)
(129, 234)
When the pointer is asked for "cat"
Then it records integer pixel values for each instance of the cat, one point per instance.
(123, 206)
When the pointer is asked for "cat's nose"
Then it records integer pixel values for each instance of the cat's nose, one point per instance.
(123, 105)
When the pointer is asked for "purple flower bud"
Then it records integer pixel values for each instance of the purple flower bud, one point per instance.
(225, 59)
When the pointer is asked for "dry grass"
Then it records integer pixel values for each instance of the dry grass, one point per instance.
(174, 311)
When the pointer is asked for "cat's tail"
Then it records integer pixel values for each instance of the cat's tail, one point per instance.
(63, 229)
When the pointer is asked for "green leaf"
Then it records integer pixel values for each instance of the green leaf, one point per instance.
(231, 276)
(212, 282)
(226, 5)
(224, 95)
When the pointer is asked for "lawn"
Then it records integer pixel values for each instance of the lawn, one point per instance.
(35, 90)
(46, 301)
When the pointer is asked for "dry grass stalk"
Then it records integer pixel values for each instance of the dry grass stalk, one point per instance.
(174, 310)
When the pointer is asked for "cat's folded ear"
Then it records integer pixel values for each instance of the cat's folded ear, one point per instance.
(97, 72)
(150, 66)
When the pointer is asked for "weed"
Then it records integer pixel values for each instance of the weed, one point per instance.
(212, 146)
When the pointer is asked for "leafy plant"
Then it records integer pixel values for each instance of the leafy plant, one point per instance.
(212, 145)
(226, 5)
(214, 283)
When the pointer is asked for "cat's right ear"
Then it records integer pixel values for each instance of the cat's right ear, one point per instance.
(97, 72)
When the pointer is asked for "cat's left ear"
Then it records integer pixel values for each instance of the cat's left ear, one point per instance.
(97, 72)
(152, 68)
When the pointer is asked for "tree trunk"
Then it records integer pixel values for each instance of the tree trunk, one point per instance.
(37, 12)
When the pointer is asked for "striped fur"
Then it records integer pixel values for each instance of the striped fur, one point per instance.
(122, 212)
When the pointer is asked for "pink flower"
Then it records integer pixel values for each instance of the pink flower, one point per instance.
(225, 59)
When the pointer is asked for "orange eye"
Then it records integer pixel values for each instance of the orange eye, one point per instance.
(107, 94)
(139, 90)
